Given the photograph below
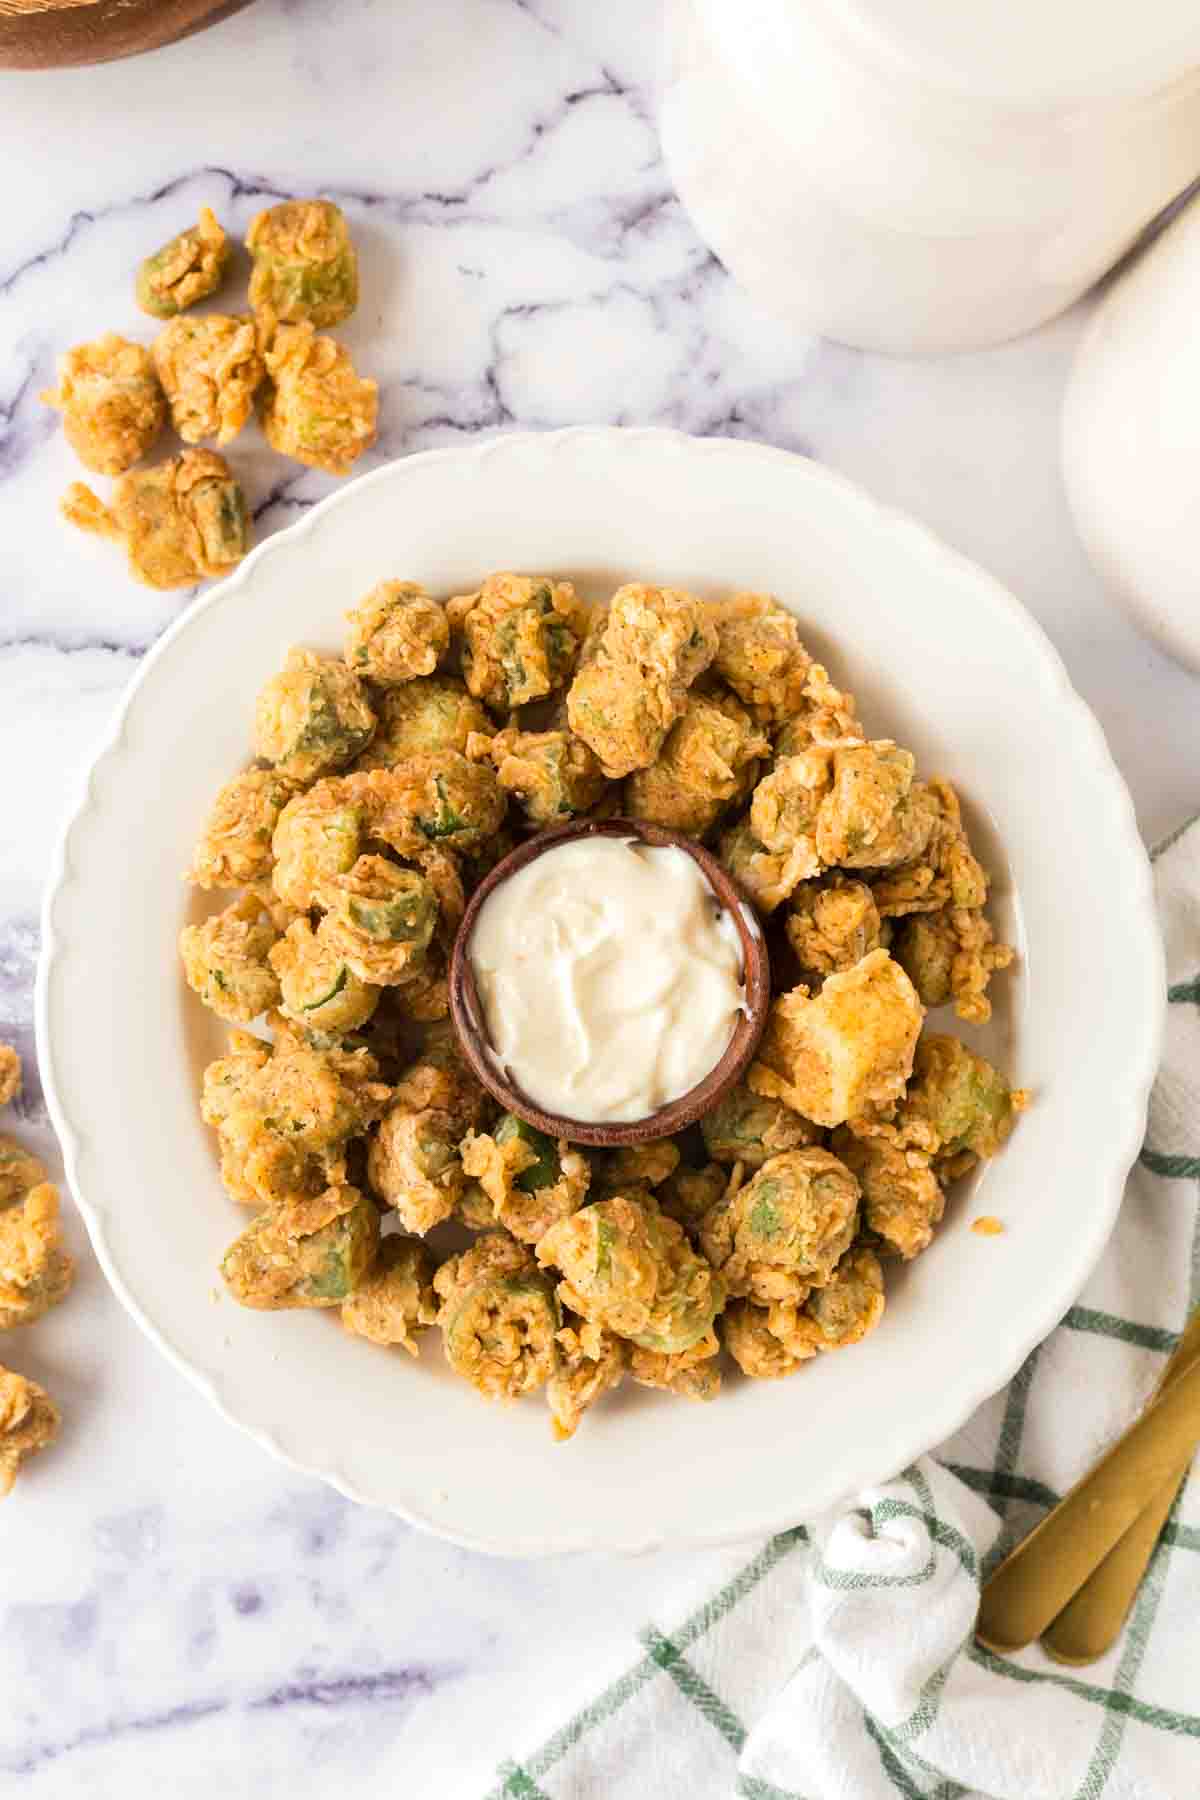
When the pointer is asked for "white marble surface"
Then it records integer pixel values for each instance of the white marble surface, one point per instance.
(177, 1610)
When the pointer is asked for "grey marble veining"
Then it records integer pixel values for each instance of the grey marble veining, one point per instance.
(180, 1614)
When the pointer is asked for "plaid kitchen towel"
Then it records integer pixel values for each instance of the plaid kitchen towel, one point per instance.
(837, 1661)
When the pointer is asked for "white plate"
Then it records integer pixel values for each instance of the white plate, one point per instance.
(941, 658)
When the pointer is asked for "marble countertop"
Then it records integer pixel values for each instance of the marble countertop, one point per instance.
(176, 1606)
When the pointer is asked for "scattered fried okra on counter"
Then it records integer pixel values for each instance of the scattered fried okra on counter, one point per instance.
(184, 519)
(36, 1272)
(386, 783)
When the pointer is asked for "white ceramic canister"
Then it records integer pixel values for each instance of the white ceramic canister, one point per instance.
(920, 175)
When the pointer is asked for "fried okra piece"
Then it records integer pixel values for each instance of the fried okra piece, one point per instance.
(29, 1421)
(379, 918)
(397, 633)
(414, 1161)
(227, 961)
(945, 872)
(396, 1301)
(10, 1074)
(531, 1181)
(112, 406)
(439, 799)
(189, 267)
(689, 1194)
(520, 637)
(312, 717)
(499, 1318)
(836, 1315)
(20, 1170)
(305, 265)
(957, 1106)
(316, 408)
(630, 692)
(902, 1198)
(318, 835)
(760, 655)
(949, 955)
(767, 876)
(831, 925)
(744, 1127)
(692, 1374)
(591, 1362)
(317, 986)
(639, 1165)
(825, 718)
(702, 767)
(753, 1345)
(235, 846)
(781, 1234)
(552, 774)
(210, 369)
(433, 712)
(630, 1269)
(786, 807)
(180, 522)
(35, 1270)
(845, 1051)
(306, 1252)
(874, 815)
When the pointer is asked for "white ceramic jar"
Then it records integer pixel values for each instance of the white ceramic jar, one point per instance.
(918, 175)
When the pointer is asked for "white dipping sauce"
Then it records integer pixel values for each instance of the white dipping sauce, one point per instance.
(610, 976)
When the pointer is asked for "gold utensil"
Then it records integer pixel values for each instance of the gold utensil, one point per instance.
(1034, 1584)
(1091, 1623)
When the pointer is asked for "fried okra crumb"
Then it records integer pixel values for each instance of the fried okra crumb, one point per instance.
(10, 1074)
(180, 522)
(113, 408)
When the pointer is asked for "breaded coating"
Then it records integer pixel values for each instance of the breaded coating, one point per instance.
(499, 1318)
(317, 986)
(10, 1074)
(958, 1107)
(311, 717)
(552, 774)
(825, 718)
(753, 1345)
(782, 1233)
(305, 1252)
(433, 712)
(29, 1421)
(760, 655)
(901, 1196)
(379, 918)
(702, 768)
(767, 877)
(189, 267)
(226, 961)
(112, 405)
(832, 924)
(951, 954)
(688, 1194)
(636, 1165)
(632, 1270)
(520, 636)
(180, 522)
(20, 1170)
(305, 265)
(745, 1128)
(845, 1051)
(396, 633)
(841, 1313)
(531, 1181)
(692, 1374)
(437, 799)
(633, 687)
(591, 1362)
(318, 835)
(316, 408)
(396, 1301)
(945, 873)
(874, 815)
(35, 1271)
(210, 369)
(786, 807)
(235, 846)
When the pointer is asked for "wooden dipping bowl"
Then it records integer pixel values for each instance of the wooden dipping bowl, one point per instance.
(470, 1024)
(56, 34)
